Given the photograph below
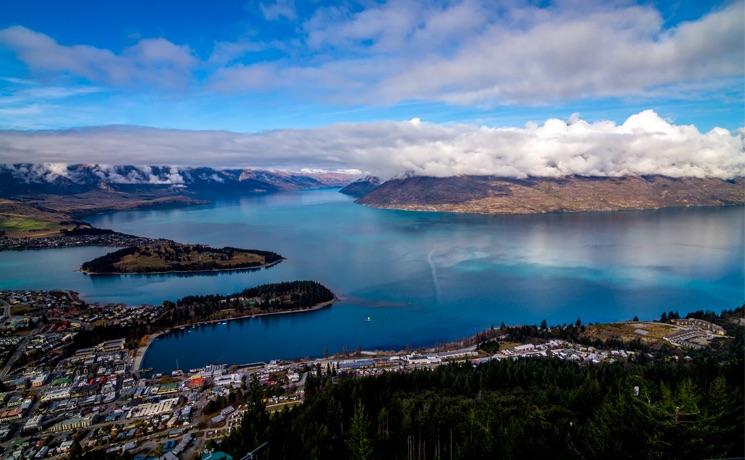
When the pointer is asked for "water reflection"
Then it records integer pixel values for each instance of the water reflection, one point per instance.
(424, 277)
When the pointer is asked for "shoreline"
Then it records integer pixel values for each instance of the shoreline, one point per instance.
(150, 338)
(61, 241)
(432, 209)
(211, 270)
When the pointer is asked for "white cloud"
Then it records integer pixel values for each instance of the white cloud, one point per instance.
(467, 52)
(643, 144)
(278, 9)
(154, 61)
(481, 53)
(226, 52)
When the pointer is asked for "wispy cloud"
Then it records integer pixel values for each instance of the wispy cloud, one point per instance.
(278, 9)
(33, 94)
(475, 53)
(643, 144)
(155, 61)
(467, 52)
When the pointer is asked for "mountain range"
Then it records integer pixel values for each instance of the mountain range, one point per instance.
(45, 199)
(500, 195)
(84, 188)
(26, 179)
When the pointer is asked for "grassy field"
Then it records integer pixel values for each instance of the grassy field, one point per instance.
(47, 215)
(22, 309)
(14, 225)
(164, 261)
(18, 219)
(649, 332)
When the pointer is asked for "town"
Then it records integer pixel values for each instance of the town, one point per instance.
(60, 392)
(71, 239)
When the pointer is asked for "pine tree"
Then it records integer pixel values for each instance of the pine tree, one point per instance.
(359, 442)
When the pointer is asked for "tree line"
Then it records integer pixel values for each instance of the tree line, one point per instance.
(273, 297)
(666, 407)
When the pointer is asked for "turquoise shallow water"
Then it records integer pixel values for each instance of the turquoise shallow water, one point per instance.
(422, 277)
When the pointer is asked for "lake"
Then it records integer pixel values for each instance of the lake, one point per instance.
(422, 278)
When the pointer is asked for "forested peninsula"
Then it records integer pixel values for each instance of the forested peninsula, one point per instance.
(163, 256)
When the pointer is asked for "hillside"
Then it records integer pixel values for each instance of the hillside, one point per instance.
(361, 187)
(40, 200)
(496, 195)
(169, 256)
(25, 220)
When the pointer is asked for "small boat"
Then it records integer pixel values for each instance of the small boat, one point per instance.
(369, 319)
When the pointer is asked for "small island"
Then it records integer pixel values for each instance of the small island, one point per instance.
(165, 256)
(274, 298)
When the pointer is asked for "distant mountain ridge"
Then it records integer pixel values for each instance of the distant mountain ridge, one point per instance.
(500, 195)
(81, 189)
(34, 179)
(361, 187)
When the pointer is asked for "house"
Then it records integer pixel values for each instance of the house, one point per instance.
(33, 424)
(196, 382)
(39, 380)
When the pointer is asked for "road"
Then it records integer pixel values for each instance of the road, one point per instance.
(17, 352)
(6, 308)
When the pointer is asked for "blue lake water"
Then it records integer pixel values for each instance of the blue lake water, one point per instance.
(423, 278)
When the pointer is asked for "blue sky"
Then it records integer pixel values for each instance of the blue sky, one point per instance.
(254, 66)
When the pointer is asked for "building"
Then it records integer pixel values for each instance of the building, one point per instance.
(700, 324)
(526, 347)
(72, 424)
(688, 338)
(355, 364)
(12, 414)
(234, 380)
(33, 424)
(150, 409)
(85, 353)
(39, 380)
(196, 382)
(59, 393)
(182, 445)
(233, 420)
(112, 346)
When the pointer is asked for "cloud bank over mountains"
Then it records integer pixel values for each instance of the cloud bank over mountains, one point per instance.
(643, 144)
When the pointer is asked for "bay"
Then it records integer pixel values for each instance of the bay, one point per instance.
(422, 278)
